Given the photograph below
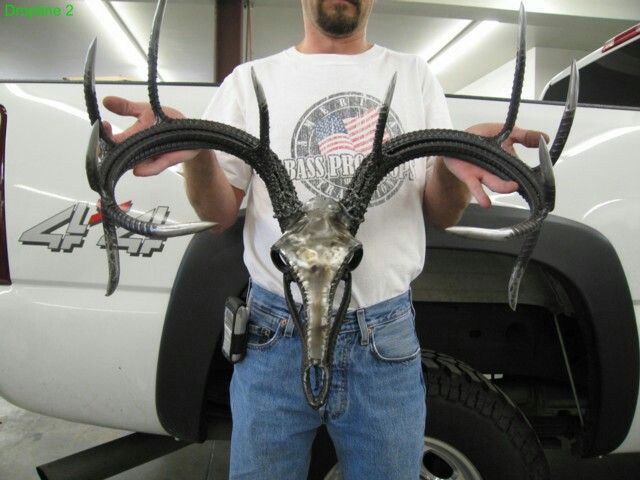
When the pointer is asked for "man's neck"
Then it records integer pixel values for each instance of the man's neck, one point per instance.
(318, 42)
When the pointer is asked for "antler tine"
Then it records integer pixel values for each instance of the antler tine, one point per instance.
(517, 274)
(546, 172)
(568, 115)
(98, 141)
(263, 110)
(89, 82)
(498, 234)
(168, 231)
(283, 195)
(363, 183)
(92, 158)
(152, 60)
(383, 115)
(113, 256)
(518, 79)
(115, 214)
(90, 97)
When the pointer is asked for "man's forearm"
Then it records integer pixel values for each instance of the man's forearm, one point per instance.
(445, 197)
(210, 193)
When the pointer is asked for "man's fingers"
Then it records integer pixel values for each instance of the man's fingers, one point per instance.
(475, 187)
(494, 183)
(498, 185)
(122, 106)
(149, 167)
(156, 165)
(108, 129)
(135, 128)
(528, 138)
(507, 146)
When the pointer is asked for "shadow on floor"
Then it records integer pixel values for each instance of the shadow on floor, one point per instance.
(28, 439)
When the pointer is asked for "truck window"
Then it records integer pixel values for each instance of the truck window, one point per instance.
(613, 79)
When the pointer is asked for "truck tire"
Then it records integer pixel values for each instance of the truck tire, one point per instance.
(473, 432)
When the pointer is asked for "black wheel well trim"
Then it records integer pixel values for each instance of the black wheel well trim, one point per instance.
(193, 321)
(602, 296)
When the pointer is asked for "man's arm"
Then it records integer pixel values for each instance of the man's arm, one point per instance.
(445, 197)
(210, 193)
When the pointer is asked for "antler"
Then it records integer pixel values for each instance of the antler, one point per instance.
(318, 249)
(107, 161)
(535, 185)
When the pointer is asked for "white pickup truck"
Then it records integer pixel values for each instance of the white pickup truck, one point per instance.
(564, 368)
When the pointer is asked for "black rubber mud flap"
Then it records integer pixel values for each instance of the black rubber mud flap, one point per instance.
(211, 270)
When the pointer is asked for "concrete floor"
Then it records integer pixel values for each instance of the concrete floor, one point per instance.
(28, 440)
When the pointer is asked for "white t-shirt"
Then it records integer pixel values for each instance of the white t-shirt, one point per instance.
(323, 111)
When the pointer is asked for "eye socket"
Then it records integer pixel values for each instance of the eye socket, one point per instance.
(356, 258)
(279, 260)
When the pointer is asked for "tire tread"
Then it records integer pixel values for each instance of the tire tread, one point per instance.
(458, 383)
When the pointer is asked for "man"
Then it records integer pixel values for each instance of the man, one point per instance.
(323, 96)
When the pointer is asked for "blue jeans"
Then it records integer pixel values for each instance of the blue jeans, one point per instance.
(375, 413)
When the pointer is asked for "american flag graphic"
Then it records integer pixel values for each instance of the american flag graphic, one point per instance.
(348, 135)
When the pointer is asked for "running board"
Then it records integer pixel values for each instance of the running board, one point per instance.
(111, 458)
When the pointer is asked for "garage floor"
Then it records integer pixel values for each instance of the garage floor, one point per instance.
(28, 440)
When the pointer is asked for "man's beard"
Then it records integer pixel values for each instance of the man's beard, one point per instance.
(338, 22)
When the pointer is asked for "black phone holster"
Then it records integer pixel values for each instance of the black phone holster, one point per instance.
(236, 316)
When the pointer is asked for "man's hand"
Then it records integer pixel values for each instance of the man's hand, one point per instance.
(145, 118)
(475, 177)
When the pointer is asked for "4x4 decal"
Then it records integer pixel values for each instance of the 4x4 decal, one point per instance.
(137, 245)
(50, 232)
(43, 233)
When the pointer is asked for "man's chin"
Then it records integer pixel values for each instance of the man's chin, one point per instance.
(339, 19)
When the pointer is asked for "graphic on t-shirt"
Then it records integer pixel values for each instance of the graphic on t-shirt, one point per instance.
(331, 139)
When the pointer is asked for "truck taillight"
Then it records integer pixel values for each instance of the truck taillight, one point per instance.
(622, 37)
(5, 279)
